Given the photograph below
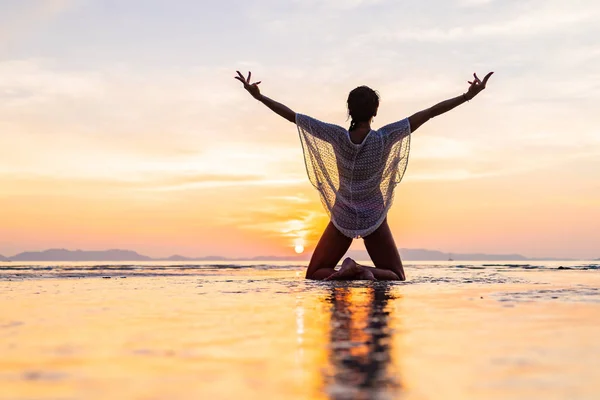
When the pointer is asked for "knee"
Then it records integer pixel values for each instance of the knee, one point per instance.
(310, 271)
(318, 272)
(400, 273)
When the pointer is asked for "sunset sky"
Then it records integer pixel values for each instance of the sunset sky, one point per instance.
(121, 125)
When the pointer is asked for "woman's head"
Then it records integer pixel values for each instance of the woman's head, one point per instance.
(363, 103)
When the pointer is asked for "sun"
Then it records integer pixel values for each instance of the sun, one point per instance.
(299, 249)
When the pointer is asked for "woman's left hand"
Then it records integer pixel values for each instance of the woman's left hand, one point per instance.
(477, 85)
(252, 88)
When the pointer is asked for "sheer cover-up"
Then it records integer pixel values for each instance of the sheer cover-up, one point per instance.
(355, 181)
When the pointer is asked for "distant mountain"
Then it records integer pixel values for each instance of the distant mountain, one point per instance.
(177, 257)
(434, 255)
(80, 255)
(430, 255)
(183, 258)
(276, 258)
(304, 257)
(361, 255)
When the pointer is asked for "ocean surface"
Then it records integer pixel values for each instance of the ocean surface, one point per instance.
(453, 330)
(39, 270)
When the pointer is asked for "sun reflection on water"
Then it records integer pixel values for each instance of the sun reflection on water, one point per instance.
(360, 344)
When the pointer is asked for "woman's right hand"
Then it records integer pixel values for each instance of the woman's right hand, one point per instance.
(252, 88)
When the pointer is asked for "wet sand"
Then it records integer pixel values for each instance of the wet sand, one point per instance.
(256, 334)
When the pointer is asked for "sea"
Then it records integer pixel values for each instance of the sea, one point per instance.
(256, 330)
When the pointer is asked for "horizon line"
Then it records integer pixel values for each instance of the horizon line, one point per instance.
(299, 257)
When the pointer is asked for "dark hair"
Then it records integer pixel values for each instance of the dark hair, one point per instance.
(362, 105)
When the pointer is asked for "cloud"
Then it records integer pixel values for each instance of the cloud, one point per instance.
(439, 147)
(22, 20)
(37, 82)
(337, 4)
(490, 164)
(473, 3)
(231, 183)
(530, 24)
(283, 222)
(292, 199)
(130, 187)
(118, 122)
(103, 123)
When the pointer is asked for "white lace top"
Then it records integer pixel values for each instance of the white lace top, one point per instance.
(356, 181)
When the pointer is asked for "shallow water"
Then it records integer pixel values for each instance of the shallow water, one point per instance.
(448, 270)
(453, 331)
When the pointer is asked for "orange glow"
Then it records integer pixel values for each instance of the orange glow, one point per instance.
(465, 216)
(115, 182)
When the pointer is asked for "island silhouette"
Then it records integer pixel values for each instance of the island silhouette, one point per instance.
(130, 255)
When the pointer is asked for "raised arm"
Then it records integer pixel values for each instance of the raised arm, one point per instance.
(253, 89)
(418, 119)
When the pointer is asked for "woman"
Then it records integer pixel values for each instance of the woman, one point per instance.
(355, 172)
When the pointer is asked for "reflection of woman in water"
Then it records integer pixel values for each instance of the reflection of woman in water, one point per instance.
(355, 172)
(360, 343)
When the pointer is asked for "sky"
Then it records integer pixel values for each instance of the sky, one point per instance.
(121, 125)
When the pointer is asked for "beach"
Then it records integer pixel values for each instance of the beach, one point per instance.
(454, 330)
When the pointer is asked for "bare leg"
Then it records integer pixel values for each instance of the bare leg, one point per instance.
(329, 251)
(382, 274)
(383, 251)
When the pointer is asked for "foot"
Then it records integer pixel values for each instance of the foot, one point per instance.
(350, 270)
(365, 274)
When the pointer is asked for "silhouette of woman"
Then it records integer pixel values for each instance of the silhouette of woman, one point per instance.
(355, 172)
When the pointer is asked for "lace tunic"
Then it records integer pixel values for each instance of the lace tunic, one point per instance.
(355, 181)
